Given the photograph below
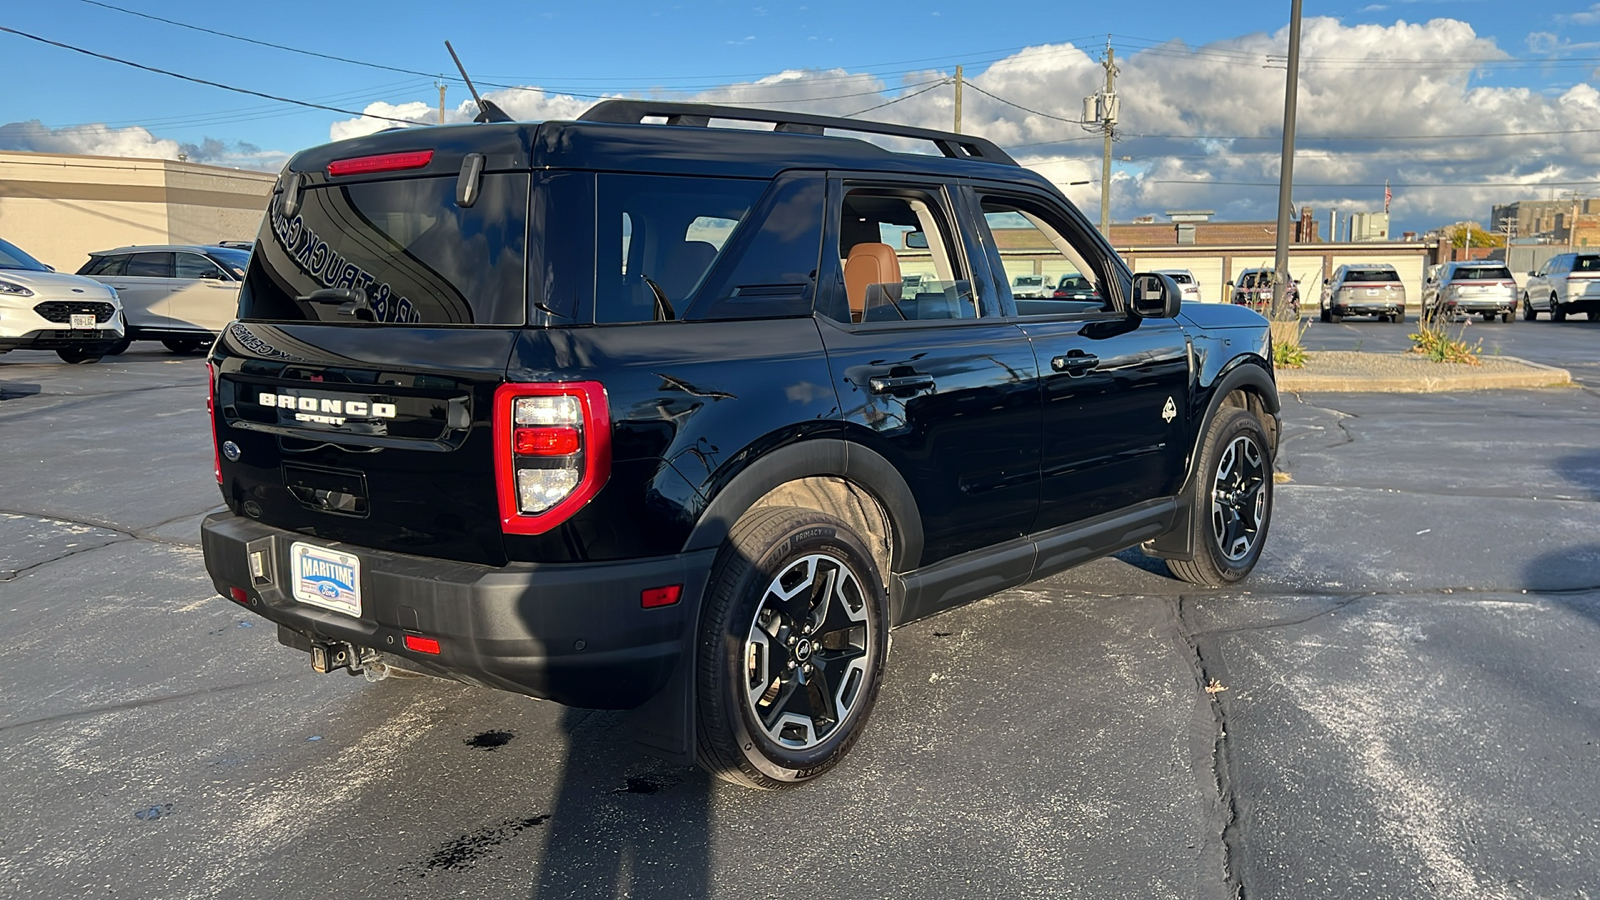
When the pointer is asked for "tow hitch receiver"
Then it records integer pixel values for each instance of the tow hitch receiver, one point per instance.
(328, 656)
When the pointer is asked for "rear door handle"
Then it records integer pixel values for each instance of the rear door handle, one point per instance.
(1076, 363)
(889, 384)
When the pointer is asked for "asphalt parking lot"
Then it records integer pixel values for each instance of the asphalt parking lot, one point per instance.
(1403, 700)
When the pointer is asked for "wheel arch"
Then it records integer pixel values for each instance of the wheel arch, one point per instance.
(1247, 383)
(839, 477)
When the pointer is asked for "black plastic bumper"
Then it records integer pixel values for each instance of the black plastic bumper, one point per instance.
(1367, 309)
(61, 339)
(576, 634)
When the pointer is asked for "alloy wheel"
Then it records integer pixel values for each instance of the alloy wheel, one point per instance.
(807, 654)
(1238, 497)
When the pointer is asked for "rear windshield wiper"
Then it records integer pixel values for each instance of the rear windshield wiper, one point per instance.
(352, 301)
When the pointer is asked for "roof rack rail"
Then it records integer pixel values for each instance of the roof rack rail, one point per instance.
(699, 115)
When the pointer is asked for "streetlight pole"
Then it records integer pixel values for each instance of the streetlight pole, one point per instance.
(1280, 283)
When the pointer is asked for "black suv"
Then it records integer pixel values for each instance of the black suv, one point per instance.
(643, 412)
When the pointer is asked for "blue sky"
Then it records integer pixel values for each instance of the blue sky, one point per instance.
(1389, 73)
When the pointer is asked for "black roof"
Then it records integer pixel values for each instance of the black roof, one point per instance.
(614, 136)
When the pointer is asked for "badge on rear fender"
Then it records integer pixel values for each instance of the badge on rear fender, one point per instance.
(1170, 411)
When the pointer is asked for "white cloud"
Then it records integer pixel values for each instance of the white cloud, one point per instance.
(137, 142)
(1590, 16)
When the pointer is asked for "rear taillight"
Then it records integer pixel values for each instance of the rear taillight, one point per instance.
(552, 452)
(211, 416)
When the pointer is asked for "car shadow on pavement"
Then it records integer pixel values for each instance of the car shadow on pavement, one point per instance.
(624, 824)
(1572, 573)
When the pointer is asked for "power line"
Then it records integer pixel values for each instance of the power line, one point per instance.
(190, 78)
(1416, 185)
(894, 101)
(1021, 107)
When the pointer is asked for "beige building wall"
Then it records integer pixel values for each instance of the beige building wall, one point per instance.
(59, 207)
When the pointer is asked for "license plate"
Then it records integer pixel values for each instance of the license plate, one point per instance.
(82, 320)
(326, 578)
(1372, 292)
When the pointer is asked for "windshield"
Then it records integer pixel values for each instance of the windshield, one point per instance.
(404, 245)
(232, 259)
(1371, 275)
(12, 258)
(1482, 273)
(1180, 277)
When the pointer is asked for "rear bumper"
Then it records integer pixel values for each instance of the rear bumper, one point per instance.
(572, 633)
(1368, 308)
(1482, 304)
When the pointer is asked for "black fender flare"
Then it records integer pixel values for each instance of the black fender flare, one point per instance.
(1249, 372)
(817, 457)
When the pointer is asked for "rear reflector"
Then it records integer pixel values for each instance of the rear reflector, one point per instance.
(387, 162)
(421, 644)
(661, 596)
(238, 595)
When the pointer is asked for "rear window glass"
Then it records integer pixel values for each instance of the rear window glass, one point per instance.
(1371, 275)
(1586, 264)
(1483, 273)
(404, 245)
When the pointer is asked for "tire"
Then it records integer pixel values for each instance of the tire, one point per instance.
(1229, 530)
(1335, 319)
(76, 356)
(1326, 316)
(1505, 317)
(1488, 317)
(120, 347)
(1528, 315)
(1591, 315)
(1398, 318)
(785, 687)
(183, 346)
(1557, 314)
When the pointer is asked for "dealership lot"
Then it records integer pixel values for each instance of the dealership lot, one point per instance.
(1400, 702)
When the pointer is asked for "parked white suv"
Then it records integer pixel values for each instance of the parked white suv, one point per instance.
(1185, 280)
(1566, 283)
(42, 309)
(180, 295)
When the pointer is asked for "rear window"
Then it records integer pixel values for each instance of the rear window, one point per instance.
(1586, 264)
(416, 256)
(1371, 275)
(1483, 273)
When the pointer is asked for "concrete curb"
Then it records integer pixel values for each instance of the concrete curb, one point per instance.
(1439, 378)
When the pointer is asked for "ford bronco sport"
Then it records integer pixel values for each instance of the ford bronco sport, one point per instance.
(640, 411)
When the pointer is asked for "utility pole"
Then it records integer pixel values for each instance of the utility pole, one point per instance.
(1509, 226)
(1100, 113)
(441, 86)
(1280, 283)
(958, 99)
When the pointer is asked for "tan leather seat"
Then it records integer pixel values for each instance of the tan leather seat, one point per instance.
(868, 263)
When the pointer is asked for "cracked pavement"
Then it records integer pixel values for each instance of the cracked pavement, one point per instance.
(1401, 701)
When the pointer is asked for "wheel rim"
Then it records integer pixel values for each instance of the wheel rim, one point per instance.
(806, 656)
(1239, 497)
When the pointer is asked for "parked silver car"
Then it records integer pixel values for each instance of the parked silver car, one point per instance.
(1566, 283)
(1369, 290)
(1479, 288)
(180, 295)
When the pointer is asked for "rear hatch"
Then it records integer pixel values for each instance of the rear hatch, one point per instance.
(375, 324)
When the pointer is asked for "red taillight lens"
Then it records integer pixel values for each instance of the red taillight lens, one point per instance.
(661, 596)
(553, 441)
(422, 644)
(552, 452)
(387, 162)
(211, 406)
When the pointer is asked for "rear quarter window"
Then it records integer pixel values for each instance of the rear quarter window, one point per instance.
(404, 243)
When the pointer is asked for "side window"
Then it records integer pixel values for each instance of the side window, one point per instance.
(658, 236)
(897, 252)
(1032, 241)
(105, 266)
(771, 267)
(193, 265)
(150, 265)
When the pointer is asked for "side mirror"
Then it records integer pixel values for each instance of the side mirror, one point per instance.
(1156, 296)
(916, 240)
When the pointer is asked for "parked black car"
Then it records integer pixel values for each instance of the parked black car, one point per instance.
(644, 416)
